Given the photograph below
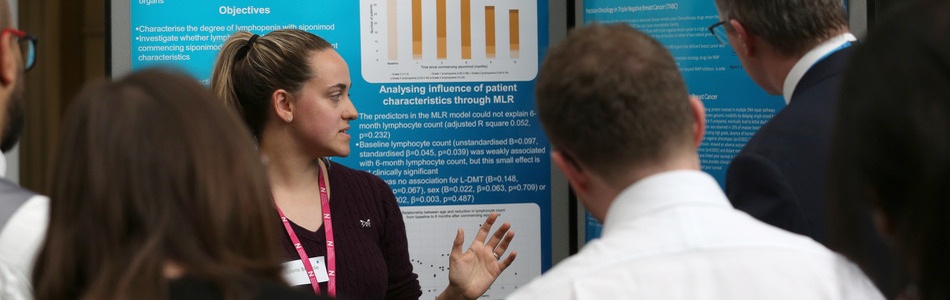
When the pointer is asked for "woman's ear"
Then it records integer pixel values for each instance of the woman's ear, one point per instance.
(283, 106)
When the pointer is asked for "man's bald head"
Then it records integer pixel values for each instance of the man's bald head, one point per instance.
(11, 84)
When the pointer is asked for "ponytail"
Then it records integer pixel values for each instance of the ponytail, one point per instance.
(247, 72)
(221, 76)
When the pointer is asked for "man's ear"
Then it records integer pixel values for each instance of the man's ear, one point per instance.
(745, 41)
(283, 106)
(576, 176)
(9, 62)
(699, 120)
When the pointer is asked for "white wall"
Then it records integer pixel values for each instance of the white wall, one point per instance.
(858, 17)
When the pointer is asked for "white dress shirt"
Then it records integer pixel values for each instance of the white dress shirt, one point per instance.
(13, 285)
(810, 59)
(674, 235)
(20, 240)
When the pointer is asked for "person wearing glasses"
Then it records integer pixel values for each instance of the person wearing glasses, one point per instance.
(778, 177)
(669, 231)
(797, 49)
(23, 213)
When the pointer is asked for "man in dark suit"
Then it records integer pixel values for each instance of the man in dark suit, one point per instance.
(778, 176)
(798, 49)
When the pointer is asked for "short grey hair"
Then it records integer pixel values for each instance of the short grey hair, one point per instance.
(791, 26)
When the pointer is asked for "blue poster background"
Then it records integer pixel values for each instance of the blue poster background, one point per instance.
(481, 147)
(735, 106)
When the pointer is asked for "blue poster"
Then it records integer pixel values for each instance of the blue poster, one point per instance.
(444, 91)
(735, 106)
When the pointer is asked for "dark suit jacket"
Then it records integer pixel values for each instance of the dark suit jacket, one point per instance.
(779, 176)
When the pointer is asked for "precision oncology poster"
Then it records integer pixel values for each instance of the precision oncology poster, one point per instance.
(735, 106)
(445, 95)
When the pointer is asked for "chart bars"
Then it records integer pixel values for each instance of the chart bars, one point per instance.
(489, 32)
(448, 40)
(513, 30)
(440, 29)
(466, 19)
(417, 29)
(393, 29)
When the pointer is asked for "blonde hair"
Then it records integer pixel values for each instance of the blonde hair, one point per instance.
(247, 72)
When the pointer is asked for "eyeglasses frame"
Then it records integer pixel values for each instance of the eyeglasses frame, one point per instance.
(712, 30)
(23, 36)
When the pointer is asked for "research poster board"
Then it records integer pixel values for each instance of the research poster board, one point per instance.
(444, 91)
(735, 106)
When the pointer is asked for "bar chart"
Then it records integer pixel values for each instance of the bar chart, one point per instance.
(448, 40)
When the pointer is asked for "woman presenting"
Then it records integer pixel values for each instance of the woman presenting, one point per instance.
(292, 90)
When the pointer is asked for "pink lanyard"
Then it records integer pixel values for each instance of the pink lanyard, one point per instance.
(331, 254)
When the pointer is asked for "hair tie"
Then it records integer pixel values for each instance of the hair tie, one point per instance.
(242, 52)
(251, 40)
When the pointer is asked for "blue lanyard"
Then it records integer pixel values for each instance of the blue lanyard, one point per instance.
(845, 45)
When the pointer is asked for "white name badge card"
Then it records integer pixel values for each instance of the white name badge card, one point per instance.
(295, 273)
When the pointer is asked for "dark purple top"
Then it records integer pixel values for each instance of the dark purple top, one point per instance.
(370, 238)
(187, 288)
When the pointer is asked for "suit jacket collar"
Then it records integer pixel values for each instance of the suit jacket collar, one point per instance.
(828, 67)
(809, 60)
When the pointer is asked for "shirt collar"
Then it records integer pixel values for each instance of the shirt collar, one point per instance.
(810, 58)
(659, 191)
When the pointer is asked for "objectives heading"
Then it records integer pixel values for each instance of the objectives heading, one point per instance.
(250, 10)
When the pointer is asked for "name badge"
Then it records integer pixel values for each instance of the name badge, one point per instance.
(295, 273)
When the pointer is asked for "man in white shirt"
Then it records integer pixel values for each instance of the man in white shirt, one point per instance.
(797, 49)
(23, 214)
(626, 134)
(24, 217)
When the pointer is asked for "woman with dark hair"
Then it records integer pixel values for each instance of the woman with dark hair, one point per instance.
(154, 195)
(891, 152)
(292, 90)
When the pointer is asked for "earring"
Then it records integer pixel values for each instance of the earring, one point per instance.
(288, 119)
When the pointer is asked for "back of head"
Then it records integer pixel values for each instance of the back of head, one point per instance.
(891, 150)
(151, 170)
(249, 68)
(612, 98)
(792, 26)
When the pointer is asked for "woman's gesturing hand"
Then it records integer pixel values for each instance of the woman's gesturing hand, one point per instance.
(472, 272)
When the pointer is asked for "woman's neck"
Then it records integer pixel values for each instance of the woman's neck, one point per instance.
(291, 172)
(288, 166)
(294, 177)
